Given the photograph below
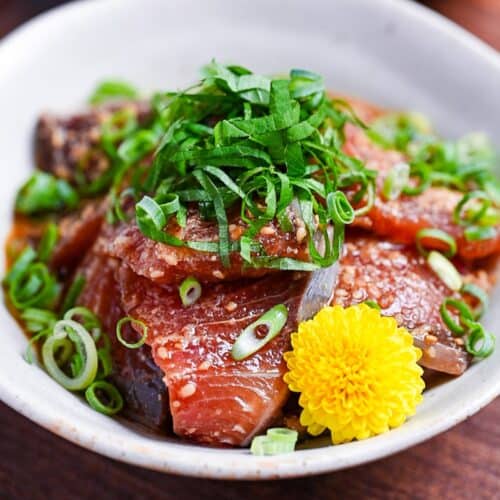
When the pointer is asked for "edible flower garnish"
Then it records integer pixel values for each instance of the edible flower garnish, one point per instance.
(356, 372)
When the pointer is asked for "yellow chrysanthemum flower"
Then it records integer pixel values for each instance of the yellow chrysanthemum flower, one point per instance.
(356, 372)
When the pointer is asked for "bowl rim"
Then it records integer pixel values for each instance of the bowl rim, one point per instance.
(193, 460)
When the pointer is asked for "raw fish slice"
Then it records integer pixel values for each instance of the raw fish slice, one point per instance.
(400, 220)
(166, 264)
(69, 147)
(403, 285)
(213, 398)
(135, 374)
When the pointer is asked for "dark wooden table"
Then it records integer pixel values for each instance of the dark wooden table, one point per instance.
(461, 463)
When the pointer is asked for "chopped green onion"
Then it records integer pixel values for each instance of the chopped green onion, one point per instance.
(104, 398)
(479, 342)
(372, 304)
(112, 89)
(20, 266)
(105, 367)
(445, 270)
(45, 193)
(479, 294)
(465, 315)
(479, 233)
(36, 320)
(370, 201)
(85, 347)
(133, 321)
(48, 242)
(277, 441)
(189, 291)
(423, 173)
(340, 209)
(28, 355)
(37, 287)
(248, 343)
(395, 181)
(85, 317)
(471, 218)
(439, 236)
(73, 292)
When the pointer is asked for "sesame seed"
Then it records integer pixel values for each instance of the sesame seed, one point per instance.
(188, 390)
(156, 274)
(430, 339)
(267, 231)
(204, 366)
(218, 274)
(162, 352)
(231, 306)
(301, 234)
(176, 404)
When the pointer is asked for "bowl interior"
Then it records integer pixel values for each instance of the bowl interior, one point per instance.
(393, 53)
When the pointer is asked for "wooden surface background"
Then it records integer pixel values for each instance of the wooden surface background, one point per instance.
(461, 463)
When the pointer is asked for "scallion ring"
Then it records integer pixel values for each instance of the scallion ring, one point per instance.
(86, 317)
(189, 291)
(479, 342)
(465, 314)
(249, 343)
(436, 235)
(277, 441)
(132, 321)
(339, 208)
(35, 288)
(480, 233)
(21, 265)
(101, 390)
(85, 347)
(479, 294)
(445, 270)
(470, 218)
(105, 364)
(395, 181)
(422, 172)
(370, 201)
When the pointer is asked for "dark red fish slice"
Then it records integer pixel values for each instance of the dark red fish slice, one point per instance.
(135, 374)
(77, 233)
(65, 146)
(165, 264)
(213, 398)
(399, 280)
(400, 220)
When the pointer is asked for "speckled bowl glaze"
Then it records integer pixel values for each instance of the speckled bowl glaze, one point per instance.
(392, 52)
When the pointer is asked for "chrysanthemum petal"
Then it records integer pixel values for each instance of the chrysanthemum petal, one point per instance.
(356, 373)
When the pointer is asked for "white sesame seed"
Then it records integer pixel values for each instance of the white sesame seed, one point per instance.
(204, 366)
(267, 231)
(231, 306)
(188, 390)
(301, 234)
(162, 353)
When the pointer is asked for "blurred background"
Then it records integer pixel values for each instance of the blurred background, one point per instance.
(461, 463)
(479, 16)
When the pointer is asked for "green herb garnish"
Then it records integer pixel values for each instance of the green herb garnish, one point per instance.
(113, 89)
(259, 145)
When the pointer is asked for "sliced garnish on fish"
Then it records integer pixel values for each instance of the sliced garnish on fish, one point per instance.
(214, 398)
(398, 279)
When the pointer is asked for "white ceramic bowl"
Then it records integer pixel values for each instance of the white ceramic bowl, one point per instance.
(390, 51)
